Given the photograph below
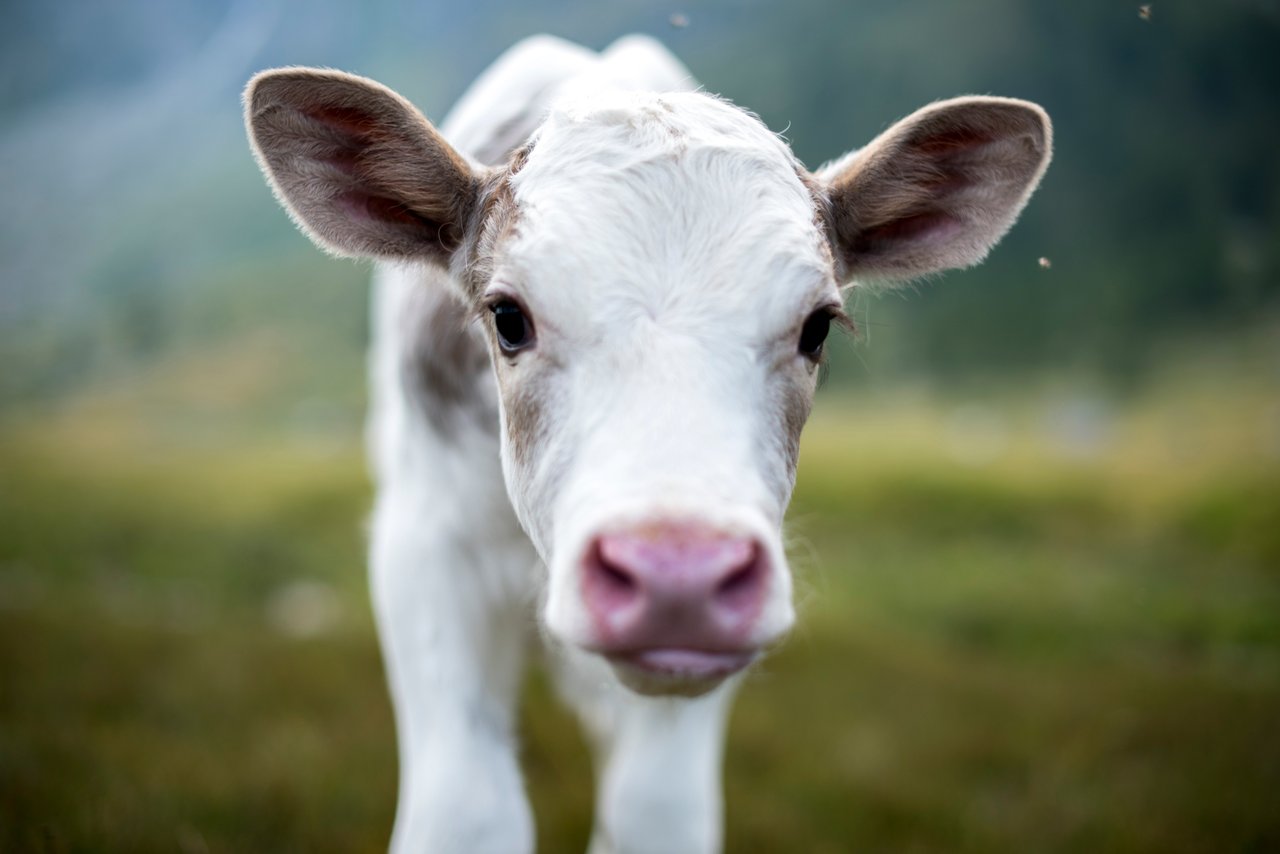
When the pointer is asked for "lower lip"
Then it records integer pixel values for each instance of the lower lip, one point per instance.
(686, 663)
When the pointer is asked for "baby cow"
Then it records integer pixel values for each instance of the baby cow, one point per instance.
(598, 317)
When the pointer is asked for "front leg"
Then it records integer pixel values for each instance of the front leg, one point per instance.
(658, 759)
(452, 618)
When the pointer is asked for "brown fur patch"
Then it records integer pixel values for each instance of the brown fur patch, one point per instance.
(797, 403)
(449, 360)
(445, 362)
(823, 220)
(524, 411)
(495, 220)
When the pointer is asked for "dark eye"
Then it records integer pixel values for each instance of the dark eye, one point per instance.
(814, 333)
(515, 331)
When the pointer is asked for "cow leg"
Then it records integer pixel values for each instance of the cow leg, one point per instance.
(658, 762)
(453, 626)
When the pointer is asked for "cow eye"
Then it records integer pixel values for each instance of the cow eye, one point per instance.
(515, 330)
(814, 333)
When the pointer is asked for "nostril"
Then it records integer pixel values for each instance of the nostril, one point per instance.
(735, 583)
(614, 577)
(740, 588)
(610, 589)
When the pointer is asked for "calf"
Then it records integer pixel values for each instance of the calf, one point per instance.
(598, 317)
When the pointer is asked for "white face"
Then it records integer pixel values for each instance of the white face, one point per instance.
(655, 387)
(656, 279)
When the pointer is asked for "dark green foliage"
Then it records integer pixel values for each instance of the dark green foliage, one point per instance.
(1159, 214)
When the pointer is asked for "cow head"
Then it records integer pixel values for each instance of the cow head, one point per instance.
(655, 275)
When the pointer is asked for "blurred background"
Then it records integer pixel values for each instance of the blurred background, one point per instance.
(1038, 518)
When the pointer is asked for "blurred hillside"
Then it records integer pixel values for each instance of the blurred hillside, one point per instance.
(1036, 552)
(136, 228)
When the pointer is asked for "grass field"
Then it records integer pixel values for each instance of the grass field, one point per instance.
(1011, 639)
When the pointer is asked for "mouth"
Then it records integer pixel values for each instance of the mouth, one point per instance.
(682, 672)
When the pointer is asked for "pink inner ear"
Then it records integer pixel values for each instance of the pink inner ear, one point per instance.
(959, 139)
(353, 129)
(952, 154)
(347, 120)
(924, 229)
(343, 160)
(368, 207)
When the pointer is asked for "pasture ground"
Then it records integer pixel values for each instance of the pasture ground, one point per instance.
(1014, 636)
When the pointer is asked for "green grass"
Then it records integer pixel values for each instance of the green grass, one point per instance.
(1043, 652)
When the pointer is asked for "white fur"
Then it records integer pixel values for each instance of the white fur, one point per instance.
(668, 248)
(682, 334)
(455, 582)
(450, 579)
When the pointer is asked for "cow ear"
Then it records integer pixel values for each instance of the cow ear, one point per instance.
(359, 169)
(938, 189)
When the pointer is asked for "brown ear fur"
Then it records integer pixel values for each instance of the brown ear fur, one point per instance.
(360, 170)
(938, 189)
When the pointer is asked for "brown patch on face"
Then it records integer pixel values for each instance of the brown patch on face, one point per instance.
(823, 219)
(524, 411)
(496, 219)
(790, 393)
(797, 403)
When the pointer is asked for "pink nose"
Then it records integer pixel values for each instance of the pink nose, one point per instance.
(674, 587)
